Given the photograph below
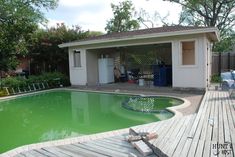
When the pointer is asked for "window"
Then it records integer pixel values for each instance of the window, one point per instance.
(188, 52)
(77, 58)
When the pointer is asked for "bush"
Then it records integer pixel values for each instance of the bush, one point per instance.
(3, 92)
(53, 79)
(215, 78)
(13, 82)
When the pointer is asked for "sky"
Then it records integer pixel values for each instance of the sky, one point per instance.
(93, 14)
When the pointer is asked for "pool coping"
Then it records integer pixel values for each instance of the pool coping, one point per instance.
(86, 138)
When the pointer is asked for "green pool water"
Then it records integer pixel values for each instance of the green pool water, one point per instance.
(61, 114)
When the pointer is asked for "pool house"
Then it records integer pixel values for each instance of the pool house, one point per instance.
(175, 56)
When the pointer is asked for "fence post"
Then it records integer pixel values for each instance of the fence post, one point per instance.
(229, 61)
(219, 65)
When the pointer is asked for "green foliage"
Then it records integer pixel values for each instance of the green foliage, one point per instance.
(215, 78)
(18, 19)
(123, 20)
(53, 79)
(225, 45)
(3, 92)
(210, 13)
(13, 82)
(45, 53)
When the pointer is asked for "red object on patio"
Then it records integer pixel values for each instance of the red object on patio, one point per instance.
(131, 81)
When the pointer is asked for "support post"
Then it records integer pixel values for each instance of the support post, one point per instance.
(219, 64)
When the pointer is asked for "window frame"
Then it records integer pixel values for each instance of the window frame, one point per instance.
(79, 62)
(195, 53)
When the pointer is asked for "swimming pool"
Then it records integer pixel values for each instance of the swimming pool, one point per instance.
(65, 113)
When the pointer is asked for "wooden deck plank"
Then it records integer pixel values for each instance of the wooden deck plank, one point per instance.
(230, 127)
(207, 127)
(42, 151)
(19, 155)
(215, 118)
(37, 154)
(81, 151)
(68, 152)
(210, 128)
(201, 109)
(55, 151)
(231, 102)
(174, 143)
(119, 143)
(200, 148)
(170, 137)
(221, 126)
(27, 154)
(103, 149)
(163, 131)
(213, 150)
(207, 149)
(227, 138)
(113, 147)
(160, 131)
(182, 141)
(203, 120)
(186, 147)
(174, 128)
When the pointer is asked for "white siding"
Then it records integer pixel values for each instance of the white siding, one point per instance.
(189, 76)
(78, 75)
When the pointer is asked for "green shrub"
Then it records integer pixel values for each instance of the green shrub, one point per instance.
(13, 82)
(53, 79)
(215, 78)
(3, 92)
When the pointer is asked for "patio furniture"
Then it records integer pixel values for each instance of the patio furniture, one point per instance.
(228, 82)
(135, 74)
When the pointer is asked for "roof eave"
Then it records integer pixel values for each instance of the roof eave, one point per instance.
(144, 36)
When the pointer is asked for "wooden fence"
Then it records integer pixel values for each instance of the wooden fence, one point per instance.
(223, 62)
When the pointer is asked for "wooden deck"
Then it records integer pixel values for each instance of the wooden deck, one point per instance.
(210, 132)
(112, 146)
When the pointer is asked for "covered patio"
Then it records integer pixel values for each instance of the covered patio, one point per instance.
(134, 63)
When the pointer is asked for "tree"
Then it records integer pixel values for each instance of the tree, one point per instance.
(210, 13)
(219, 13)
(123, 18)
(44, 52)
(150, 21)
(18, 20)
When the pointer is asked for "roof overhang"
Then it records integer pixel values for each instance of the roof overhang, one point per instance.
(212, 32)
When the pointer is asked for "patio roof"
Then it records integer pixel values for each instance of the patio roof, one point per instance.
(165, 31)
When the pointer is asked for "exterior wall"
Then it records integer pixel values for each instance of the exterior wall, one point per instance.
(78, 75)
(208, 60)
(189, 76)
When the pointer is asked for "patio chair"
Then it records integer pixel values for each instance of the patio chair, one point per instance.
(135, 74)
(228, 82)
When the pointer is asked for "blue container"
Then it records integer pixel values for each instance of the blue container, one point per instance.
(162, 75)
